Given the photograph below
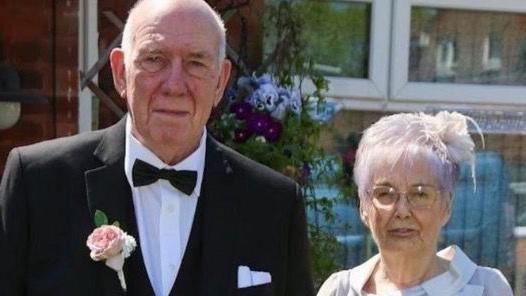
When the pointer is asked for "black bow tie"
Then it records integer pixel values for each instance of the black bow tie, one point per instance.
(145, 174)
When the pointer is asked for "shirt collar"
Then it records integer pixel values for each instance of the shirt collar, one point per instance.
(136, 150)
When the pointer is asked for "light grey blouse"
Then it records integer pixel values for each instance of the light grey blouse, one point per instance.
(463, 278)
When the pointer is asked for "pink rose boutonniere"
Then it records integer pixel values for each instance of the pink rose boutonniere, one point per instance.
(111, 244)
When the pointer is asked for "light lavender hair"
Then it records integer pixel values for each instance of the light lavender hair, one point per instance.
(128, 35)
(441, 140)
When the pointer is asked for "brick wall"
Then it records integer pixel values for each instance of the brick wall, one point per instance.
(39, 38)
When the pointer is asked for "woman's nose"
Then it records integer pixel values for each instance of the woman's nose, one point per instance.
(402, 206)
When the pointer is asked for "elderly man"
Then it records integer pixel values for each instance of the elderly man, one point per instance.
(207, 220)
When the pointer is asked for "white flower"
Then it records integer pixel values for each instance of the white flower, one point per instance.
(260, 139)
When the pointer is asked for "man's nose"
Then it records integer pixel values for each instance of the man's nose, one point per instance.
(174, 83)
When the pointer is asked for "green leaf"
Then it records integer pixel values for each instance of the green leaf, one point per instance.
(117, 224)
(100, 218)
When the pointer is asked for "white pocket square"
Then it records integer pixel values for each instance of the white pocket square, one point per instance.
(248, 278)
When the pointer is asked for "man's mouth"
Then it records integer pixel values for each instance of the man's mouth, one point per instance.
(171, 113)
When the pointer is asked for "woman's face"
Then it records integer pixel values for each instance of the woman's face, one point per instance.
(407, 224)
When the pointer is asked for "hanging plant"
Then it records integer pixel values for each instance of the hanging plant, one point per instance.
(267, 117)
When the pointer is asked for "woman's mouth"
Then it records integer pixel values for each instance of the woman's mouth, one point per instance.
(402, 232)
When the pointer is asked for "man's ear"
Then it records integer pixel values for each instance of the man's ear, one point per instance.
(224, 75)
(118, 70)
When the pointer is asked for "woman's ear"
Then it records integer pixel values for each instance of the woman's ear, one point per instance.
(364, 215)
(448, 199)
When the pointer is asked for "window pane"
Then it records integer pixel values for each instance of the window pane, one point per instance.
(462, 46)
(336, 35)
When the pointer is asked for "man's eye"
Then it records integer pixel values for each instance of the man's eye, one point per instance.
(197, 68)
(153, 59)
(197, 63)
(153, 63)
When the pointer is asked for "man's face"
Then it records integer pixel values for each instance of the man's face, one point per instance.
(173, 78)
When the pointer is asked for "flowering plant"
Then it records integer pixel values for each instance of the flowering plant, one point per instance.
(111, 244)
(259, 106)
(268, 116)
(269, 122)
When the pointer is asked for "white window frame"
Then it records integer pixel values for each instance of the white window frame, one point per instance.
(88, 55)
(401, 90)
(375, 87)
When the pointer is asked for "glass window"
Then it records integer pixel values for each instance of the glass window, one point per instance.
(466, 46)
(336, 35)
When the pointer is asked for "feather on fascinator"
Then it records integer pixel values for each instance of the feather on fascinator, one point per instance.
(449, 132)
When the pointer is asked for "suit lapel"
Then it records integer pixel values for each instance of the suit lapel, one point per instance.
(108, 190)
(219, 224)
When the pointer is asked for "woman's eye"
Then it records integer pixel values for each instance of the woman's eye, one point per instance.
(420, 195)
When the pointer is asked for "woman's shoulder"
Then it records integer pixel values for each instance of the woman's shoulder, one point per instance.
(338, 284)
(349, 282)
(492, 279)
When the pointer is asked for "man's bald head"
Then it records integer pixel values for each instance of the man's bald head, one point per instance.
(152, 10)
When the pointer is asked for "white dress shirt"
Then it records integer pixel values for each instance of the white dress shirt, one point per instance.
(463, 278)
(164, 214)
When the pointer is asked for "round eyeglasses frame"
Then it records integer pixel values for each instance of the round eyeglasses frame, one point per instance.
(418, 196)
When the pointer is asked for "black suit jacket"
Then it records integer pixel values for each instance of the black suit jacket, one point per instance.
(246, 215)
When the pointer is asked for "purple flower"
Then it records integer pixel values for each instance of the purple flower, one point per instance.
(295, 102)
(242, 135)
(265, 97)
(264, 79)
(273, 131)
(258, 122)
(230, 95)
(241, 109)
(306, 169)
(246, 83)
(322, 111)
(279, 112)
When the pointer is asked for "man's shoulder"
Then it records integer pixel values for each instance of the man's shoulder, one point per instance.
(70, 148)
(249, 168)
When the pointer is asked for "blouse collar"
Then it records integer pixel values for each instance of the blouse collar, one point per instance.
(460, 271)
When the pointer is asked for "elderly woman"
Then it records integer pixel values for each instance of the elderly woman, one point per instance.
(406, 169)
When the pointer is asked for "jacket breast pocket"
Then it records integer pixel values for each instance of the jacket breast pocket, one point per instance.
(260, 290)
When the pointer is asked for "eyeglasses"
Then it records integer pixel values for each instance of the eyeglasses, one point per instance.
(421, 196)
